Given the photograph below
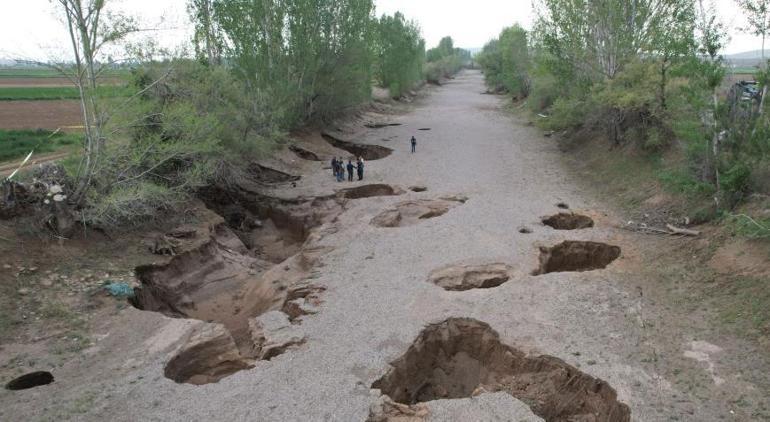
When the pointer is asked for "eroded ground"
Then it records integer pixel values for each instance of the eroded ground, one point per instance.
(451, 299)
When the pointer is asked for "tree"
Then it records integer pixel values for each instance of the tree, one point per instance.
(399, 53)
(711, 38)
(207, 38)
(307, 56)
(757, 13)
(91, 29)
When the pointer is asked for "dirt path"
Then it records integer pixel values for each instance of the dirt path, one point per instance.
(383, 288)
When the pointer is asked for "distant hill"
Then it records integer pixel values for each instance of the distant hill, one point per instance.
(753, 54)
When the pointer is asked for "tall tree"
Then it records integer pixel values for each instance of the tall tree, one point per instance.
(91, 29)
(757, 13)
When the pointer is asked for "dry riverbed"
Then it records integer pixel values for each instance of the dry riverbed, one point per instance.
(472, 280)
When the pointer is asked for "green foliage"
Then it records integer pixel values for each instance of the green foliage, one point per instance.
(506, 62)
(399, 54)
(445, 60)
(312, 59)
(683, 182)
(18, 143)
(567, 113)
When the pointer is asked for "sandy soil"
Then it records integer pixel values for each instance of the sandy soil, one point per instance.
(613, 324)
(51, 115)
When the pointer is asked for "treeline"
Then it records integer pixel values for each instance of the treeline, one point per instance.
(646, 73)
(261, 69)
(445, 60)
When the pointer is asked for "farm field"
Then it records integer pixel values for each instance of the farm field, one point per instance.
(54, 114)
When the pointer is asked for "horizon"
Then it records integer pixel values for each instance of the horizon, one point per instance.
(33, 30)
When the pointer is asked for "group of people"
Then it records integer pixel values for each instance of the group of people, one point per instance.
(339, 167)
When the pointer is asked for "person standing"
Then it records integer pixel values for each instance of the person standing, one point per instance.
(360, 167)
(350, 170)
(334, 167)
(414, 144)
(340, 169)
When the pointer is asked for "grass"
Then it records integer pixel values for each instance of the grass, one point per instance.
(18, 143)
(49, 73)
(748, 307)
(58, 92)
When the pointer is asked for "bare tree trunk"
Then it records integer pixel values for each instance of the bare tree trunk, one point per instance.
(715, 142)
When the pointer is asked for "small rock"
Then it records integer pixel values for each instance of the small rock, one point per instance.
(23, 291)
(7, 266)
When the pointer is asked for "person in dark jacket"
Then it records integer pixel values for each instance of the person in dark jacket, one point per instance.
(360, 168)
(414, 144)
(350, 171)
(335, 167)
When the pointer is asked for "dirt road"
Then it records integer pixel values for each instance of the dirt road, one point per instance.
(380, 296)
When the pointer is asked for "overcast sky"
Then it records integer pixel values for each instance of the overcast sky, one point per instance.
(32, 29)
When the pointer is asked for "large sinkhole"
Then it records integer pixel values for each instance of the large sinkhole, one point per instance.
(304, 153)
(368, 152)
(467, 277)
(369, 191)
(273, 228)
(222, 284)
(270, 175)
(249, 302)
(461, 357)
(573, 255)
(568, 221)
(412, 212)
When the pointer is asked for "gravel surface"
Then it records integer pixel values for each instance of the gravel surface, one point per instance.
(379, 297)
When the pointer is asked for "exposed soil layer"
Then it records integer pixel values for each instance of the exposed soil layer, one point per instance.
(304, 154)
(220, 282)
(568, 221)
(409, 213)
(573, 255)
(368, 152)
(368, 191)
(467, 277)
(463, 357)
(266, 174)
(273, 228)
(30, 380)
(418, 188)
(232, 281)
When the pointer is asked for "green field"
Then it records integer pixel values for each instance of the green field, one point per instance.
(58, 93)
(18, 143)
(51, 73)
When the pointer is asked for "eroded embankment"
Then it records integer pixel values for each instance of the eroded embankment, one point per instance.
(463, 357)
(231, 281)
(249, 278)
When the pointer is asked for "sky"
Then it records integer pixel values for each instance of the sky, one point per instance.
(32, 29)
